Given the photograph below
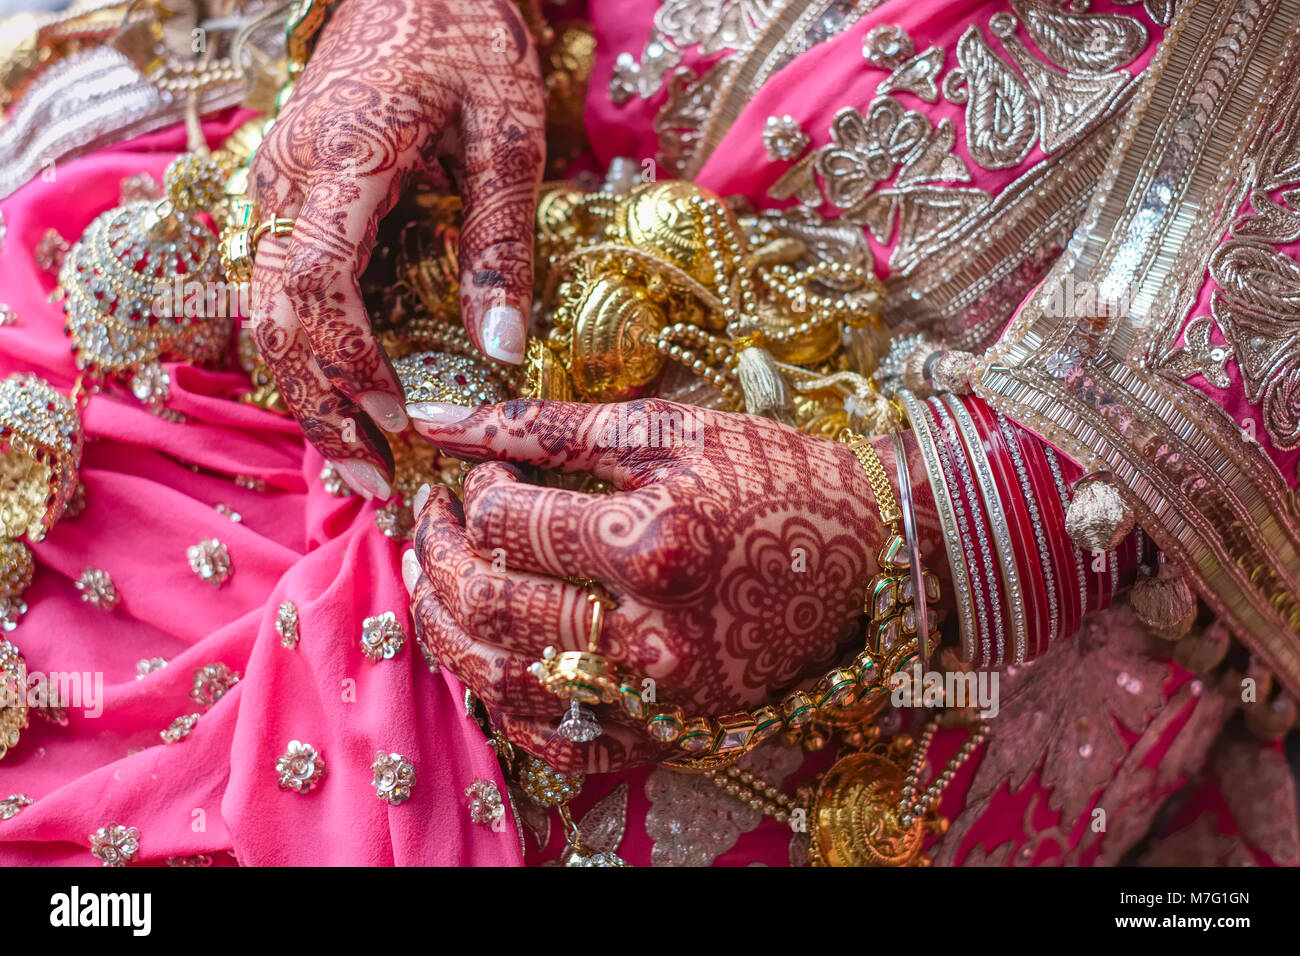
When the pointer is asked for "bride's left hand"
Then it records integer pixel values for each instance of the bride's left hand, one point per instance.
(738, 550)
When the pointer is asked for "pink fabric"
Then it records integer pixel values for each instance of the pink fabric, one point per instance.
(151, 491)
(145, 506)
(811, 89)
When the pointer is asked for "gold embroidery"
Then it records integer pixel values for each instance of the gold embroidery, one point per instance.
(1212, 498)
(961, 257)
(1087, 42)
(763, 36)
(1000, 122)
(917, 76)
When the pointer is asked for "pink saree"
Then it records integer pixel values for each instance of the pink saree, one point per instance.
(1107, 728)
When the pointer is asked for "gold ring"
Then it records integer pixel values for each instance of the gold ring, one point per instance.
(239, 246)
(276, 226)
(599, 601)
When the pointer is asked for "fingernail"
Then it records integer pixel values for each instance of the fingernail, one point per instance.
(410, 570)
(421, 498)
(364, 478)
(438, 413)
(504, 334)
(386, 410)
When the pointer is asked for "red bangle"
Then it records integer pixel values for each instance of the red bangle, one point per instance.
(1027, 541)
(1068, 561)
(985, 575)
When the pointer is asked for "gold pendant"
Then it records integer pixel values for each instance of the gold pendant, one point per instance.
(856, 820)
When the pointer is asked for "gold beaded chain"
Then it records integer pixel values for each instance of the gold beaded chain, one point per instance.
(913, 806)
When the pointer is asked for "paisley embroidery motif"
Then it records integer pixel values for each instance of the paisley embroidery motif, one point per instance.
(1085, 42)
(1001, 124)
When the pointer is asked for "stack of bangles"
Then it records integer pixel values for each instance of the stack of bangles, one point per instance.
(1020, 584)
(1019, 580)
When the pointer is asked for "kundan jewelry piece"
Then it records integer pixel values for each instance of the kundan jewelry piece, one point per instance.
(581, 677)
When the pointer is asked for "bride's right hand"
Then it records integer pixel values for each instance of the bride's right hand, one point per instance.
(387, 80)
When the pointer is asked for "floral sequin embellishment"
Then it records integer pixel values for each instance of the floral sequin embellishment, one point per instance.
(210, 560)
(179, 729)
(12, 805)
(381, 637)
(301, 767)
(782, 138)
(394, 776)
(115, 845)
(97, 588)
(211, 682)
(286, 624)
(485, 804)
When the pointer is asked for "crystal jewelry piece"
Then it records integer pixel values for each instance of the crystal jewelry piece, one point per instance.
(97, 588)
(143, 668)
(579, 725)
(782, 138)
(212, 682)
(16, 570)
(286, 624)
(210, 560)
(11, 806)
(13, 687)
(179, 728)
(485, 803)
(394, 776)
(301, 767)
(382, 637)
(115, 845)
(139, 282)
(448, 377)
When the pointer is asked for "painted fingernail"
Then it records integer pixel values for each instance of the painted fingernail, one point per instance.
(386, 410)
(438, 413)
(421, 498)
(364, 478)
(410, 570)
(504, 334)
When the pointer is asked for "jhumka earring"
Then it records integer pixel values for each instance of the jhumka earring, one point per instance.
(139, 285)
(40, 452)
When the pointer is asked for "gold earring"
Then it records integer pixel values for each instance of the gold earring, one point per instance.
(140, 284)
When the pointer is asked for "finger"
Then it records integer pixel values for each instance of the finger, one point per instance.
(498, 677)
(503, 122)
(334, 425)
(551, 530)
(629, 445)
(503, 605)
(618, 748)
(332, 239)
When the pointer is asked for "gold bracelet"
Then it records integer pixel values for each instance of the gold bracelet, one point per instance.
(891, 596)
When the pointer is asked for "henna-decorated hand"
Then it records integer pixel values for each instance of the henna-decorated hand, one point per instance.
(738, 550)
(386, 81)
